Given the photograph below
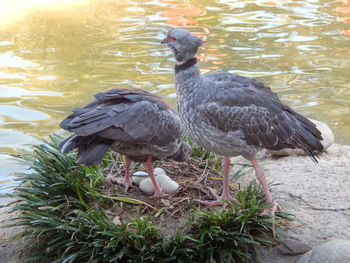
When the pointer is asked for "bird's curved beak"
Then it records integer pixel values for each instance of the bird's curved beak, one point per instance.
(165, 41)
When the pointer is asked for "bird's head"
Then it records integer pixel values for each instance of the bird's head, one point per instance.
(183, 154)
(183, 44)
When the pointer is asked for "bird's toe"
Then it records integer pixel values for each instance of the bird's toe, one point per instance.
(271, 210)
(160, 194)
(123, 182)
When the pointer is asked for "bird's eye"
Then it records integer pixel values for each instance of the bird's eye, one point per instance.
(171, 39)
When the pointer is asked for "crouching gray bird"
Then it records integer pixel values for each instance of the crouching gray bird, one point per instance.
(233, 115)
(137, 124)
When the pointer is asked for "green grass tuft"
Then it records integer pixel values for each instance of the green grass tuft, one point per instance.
(63, 210)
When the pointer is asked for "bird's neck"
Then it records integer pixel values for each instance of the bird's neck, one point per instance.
(179, 67)
(186, 75)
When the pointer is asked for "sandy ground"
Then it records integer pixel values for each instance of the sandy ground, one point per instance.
(10, 252)
(318, 194)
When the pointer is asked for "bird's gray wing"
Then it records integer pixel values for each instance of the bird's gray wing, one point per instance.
(239, 80)
(144, 122)
(126, 115)
(264, 120)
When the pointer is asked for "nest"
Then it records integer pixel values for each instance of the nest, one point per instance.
(193, 177)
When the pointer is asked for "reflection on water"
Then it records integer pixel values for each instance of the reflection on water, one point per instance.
(13, 10)
(55, 54)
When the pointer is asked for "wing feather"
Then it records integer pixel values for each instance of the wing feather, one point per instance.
(265, 121)
(240, 80)
(127, 115)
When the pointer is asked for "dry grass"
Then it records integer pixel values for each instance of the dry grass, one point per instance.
(193, 177)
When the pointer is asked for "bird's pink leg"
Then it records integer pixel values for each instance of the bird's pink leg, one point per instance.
(127, 180)
(259, 172)
(158, 192)
(225, 187)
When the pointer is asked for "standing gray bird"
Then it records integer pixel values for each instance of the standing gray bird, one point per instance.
(233, 115)
(137, 124)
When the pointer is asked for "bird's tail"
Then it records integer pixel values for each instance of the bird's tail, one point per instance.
(91, 149)
(69, 144)
(308, 137)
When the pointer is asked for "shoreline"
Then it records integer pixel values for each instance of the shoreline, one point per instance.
(318, 194)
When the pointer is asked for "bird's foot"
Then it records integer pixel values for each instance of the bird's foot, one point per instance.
(159, 194)
(219, 199)
(123, 182)
(271, 211)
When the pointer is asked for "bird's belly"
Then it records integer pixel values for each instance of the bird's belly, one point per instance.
(140, 152)
(217, 141)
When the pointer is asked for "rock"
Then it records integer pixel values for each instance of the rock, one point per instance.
(295, 247)
(334, 251)
(328, 140)
(327, 134)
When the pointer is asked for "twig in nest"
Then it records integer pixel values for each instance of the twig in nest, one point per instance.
(114, 167)
(181, 200)
(203, 174)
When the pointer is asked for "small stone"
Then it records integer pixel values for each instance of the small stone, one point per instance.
(334, 251)
(296, 247)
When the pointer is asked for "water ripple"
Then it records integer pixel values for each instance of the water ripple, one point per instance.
(54, 61)
(16, 113)
(8, 59)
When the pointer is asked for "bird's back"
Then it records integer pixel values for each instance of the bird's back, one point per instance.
(133, 121)
(234, 115)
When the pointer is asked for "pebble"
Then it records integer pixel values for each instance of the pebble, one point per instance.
(296, 247)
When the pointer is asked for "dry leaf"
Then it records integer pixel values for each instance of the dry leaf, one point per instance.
(116, 220)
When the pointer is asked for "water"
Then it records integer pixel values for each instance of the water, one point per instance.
(54, 55)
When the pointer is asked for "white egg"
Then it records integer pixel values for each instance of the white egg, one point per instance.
(147, 186)
(159, 171)
(138, 176)
(140, 173)
(170, 186)
(162, 178)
